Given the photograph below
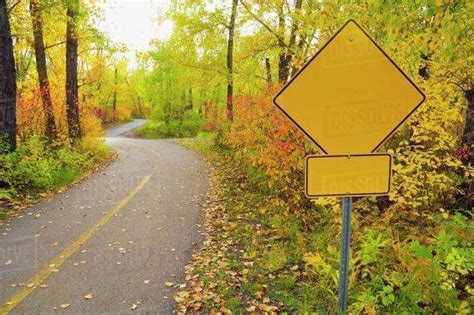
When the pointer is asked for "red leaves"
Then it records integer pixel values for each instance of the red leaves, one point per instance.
(464, 154)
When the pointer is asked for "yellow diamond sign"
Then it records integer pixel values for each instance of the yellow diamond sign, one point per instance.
(350, 97)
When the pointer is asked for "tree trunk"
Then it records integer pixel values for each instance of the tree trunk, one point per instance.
(190, 103)
(282, 65)
(72, 89)
(40, 56)
(286, 51)
(294, 31)
(268, 69)
(230, 60)
(468, 135)
(7, 81)
(115, 94)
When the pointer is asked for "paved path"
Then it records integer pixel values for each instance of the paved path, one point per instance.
(120, 130)
(119, 235)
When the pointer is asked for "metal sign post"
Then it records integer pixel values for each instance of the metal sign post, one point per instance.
(345, 251)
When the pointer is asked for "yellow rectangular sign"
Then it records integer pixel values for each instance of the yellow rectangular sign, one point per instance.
(348, 175)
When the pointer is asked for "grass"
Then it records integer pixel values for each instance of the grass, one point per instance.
(172, 129)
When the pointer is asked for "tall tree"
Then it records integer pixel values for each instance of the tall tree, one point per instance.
(7, 80)
(72, 88)
(268, 70)
(115, 93)
(287, 46)
(230, 62)
(42, 70)
(286, 54)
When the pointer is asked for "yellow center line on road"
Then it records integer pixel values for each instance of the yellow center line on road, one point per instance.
(59, 260)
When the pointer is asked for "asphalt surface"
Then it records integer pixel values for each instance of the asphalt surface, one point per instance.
(122, 129)
(120, 237)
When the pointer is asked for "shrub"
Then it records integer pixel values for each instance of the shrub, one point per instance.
(35, 166)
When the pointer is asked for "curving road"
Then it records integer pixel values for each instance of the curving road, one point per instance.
(115, 243)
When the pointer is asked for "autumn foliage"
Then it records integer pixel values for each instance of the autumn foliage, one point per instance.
(412, 250)
(268, 247)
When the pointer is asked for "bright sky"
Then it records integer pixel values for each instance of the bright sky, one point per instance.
(135, 22)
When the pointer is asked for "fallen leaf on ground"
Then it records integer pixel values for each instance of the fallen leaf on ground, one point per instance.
(88, 296)
(64, 305)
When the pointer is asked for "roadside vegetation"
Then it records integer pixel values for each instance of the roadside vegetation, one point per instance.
(269, 250)
(61, 81)
(36, 167)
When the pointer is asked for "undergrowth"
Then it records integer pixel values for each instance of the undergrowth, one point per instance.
(36, 167)
(261, 256)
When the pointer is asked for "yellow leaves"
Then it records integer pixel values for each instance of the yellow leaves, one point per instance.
(267, 308)
(317, 264)
(313, 260)
(251, 308)
(88, 296)
(464, 308)
(444, 213)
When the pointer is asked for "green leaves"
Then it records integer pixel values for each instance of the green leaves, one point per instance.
(420, 251)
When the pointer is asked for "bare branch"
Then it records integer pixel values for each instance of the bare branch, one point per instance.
(219, 20)
(13, 6)
(55, 44)
(88, 83)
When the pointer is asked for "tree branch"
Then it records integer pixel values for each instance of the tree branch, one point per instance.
(280, 39)
(88, 83)
(55, 44)
(219, 20)
(13, 6)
